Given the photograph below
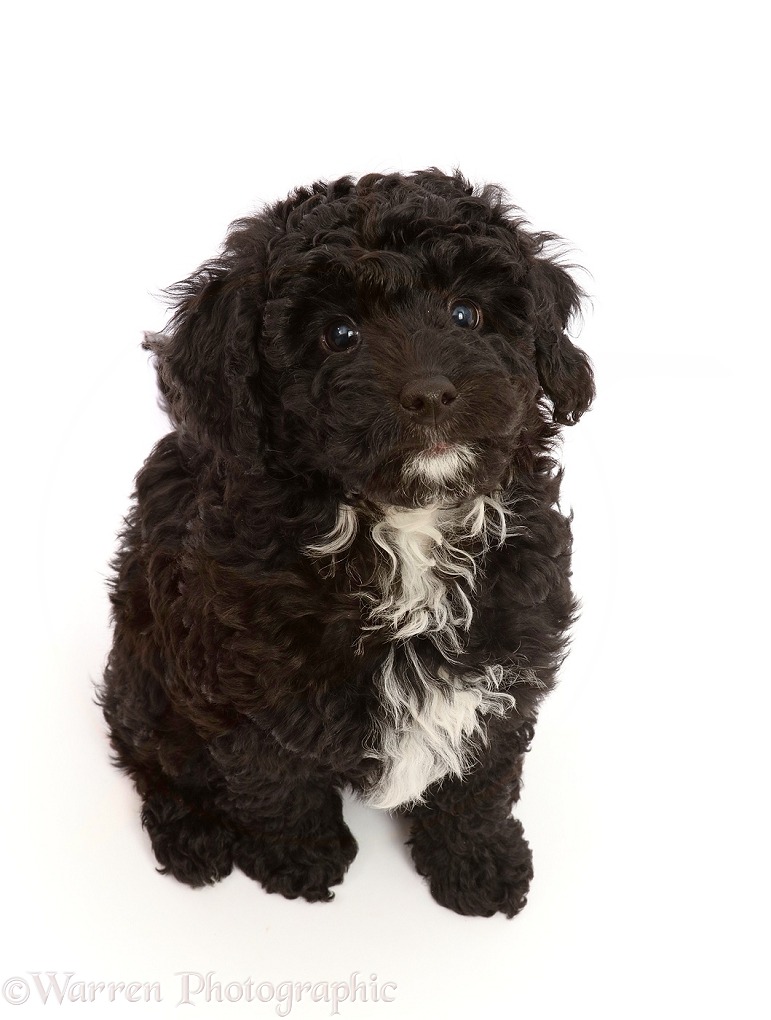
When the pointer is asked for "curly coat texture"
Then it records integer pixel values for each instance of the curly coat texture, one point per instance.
(345, 567)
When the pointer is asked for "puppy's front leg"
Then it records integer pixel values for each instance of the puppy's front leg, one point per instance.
(465, 842)
(291, 837)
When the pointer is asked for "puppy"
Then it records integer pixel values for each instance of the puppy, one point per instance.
(345, 566)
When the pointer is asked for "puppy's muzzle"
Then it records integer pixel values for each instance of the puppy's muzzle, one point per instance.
(429, 400)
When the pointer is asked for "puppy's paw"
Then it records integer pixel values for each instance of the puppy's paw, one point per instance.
(195, 848)
(298, 865)
(478, 871)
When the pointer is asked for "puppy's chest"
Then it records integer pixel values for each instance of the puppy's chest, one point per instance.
(430, 711)
(424, 580)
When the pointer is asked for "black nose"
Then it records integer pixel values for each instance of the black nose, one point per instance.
(430, 399)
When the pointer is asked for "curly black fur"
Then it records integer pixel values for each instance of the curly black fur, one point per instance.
(251, 677)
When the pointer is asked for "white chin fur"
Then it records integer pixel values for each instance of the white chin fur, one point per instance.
(439, 468)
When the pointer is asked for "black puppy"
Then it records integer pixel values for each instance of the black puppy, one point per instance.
(345, 567)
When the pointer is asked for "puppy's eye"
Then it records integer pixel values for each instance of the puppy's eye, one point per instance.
(340, 336)
(465, 314)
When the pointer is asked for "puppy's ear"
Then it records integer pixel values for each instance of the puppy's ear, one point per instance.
(564, 370)
(207, 358)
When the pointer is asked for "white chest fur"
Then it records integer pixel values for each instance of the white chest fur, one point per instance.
(429, 726)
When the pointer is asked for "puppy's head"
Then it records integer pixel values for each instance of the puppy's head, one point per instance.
(400, 338)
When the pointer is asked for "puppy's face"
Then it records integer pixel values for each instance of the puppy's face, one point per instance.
(405, 372)
(396, 337)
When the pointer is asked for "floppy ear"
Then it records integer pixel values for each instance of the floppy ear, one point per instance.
(207, 359)
(564, 370)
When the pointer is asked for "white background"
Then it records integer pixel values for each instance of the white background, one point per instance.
(132, 135)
